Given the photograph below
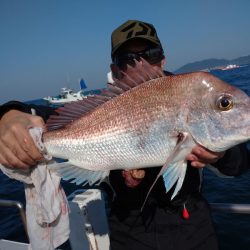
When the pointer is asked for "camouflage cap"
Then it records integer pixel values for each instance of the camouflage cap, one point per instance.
(133, 29)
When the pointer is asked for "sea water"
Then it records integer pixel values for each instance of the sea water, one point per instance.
(233, 229)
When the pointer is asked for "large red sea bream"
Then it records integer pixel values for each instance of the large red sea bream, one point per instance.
(144, 120)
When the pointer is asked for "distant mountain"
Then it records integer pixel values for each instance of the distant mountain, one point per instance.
(212, 63)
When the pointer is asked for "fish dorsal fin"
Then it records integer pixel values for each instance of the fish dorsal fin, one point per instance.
(140, 73)
(74, 110)
(134, 76)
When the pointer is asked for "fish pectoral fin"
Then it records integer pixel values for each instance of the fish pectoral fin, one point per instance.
(79, 175)
(182, 138)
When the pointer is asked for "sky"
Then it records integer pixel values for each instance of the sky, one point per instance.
(49, 44)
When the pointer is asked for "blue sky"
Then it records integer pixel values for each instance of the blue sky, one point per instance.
(49, 44)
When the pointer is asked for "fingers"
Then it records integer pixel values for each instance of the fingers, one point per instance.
(9, 159)
(133, 178)
(20, 144)
(138, 173)
(12, 153)
(201, 157)
(36, 121)
(17, 148)
(207, 155)
(27, 150)
(198, 164)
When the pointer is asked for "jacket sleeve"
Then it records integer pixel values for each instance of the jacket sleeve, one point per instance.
(43, 111)
(235, 162)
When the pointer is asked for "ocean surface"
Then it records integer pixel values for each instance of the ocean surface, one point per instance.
(233, 229)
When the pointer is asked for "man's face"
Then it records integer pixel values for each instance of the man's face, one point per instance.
(134, 49)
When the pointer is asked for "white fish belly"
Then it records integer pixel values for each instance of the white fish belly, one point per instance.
(126, 151)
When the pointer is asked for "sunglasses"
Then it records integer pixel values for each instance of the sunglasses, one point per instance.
(151, 55)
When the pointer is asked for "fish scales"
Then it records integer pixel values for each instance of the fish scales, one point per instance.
(142, 126)
(100, 133)
(130, 118)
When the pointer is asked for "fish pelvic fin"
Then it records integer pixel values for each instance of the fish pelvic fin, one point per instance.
(175, 173)
(78, 175)
(177, 169)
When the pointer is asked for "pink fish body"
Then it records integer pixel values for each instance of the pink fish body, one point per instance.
(140, 126)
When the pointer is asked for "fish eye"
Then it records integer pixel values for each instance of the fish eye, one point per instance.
(225, 102)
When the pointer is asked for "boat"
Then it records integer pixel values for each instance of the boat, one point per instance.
(230, 66)
(88, 220)
(67, 95)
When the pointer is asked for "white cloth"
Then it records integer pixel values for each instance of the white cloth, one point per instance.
(46, 204)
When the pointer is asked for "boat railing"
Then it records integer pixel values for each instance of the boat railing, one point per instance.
(230, 208)
(20, 207)
(81, 204)
(216, 207)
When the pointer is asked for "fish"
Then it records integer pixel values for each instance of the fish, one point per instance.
(146, 119)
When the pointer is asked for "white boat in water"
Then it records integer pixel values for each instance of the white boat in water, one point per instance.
(230, 66)
(67, 95)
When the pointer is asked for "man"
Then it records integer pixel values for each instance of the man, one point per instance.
(161, 224)
(184, 222)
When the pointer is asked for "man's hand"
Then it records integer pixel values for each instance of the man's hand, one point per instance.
(17, 149)
(200, 157)
(133, 178)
